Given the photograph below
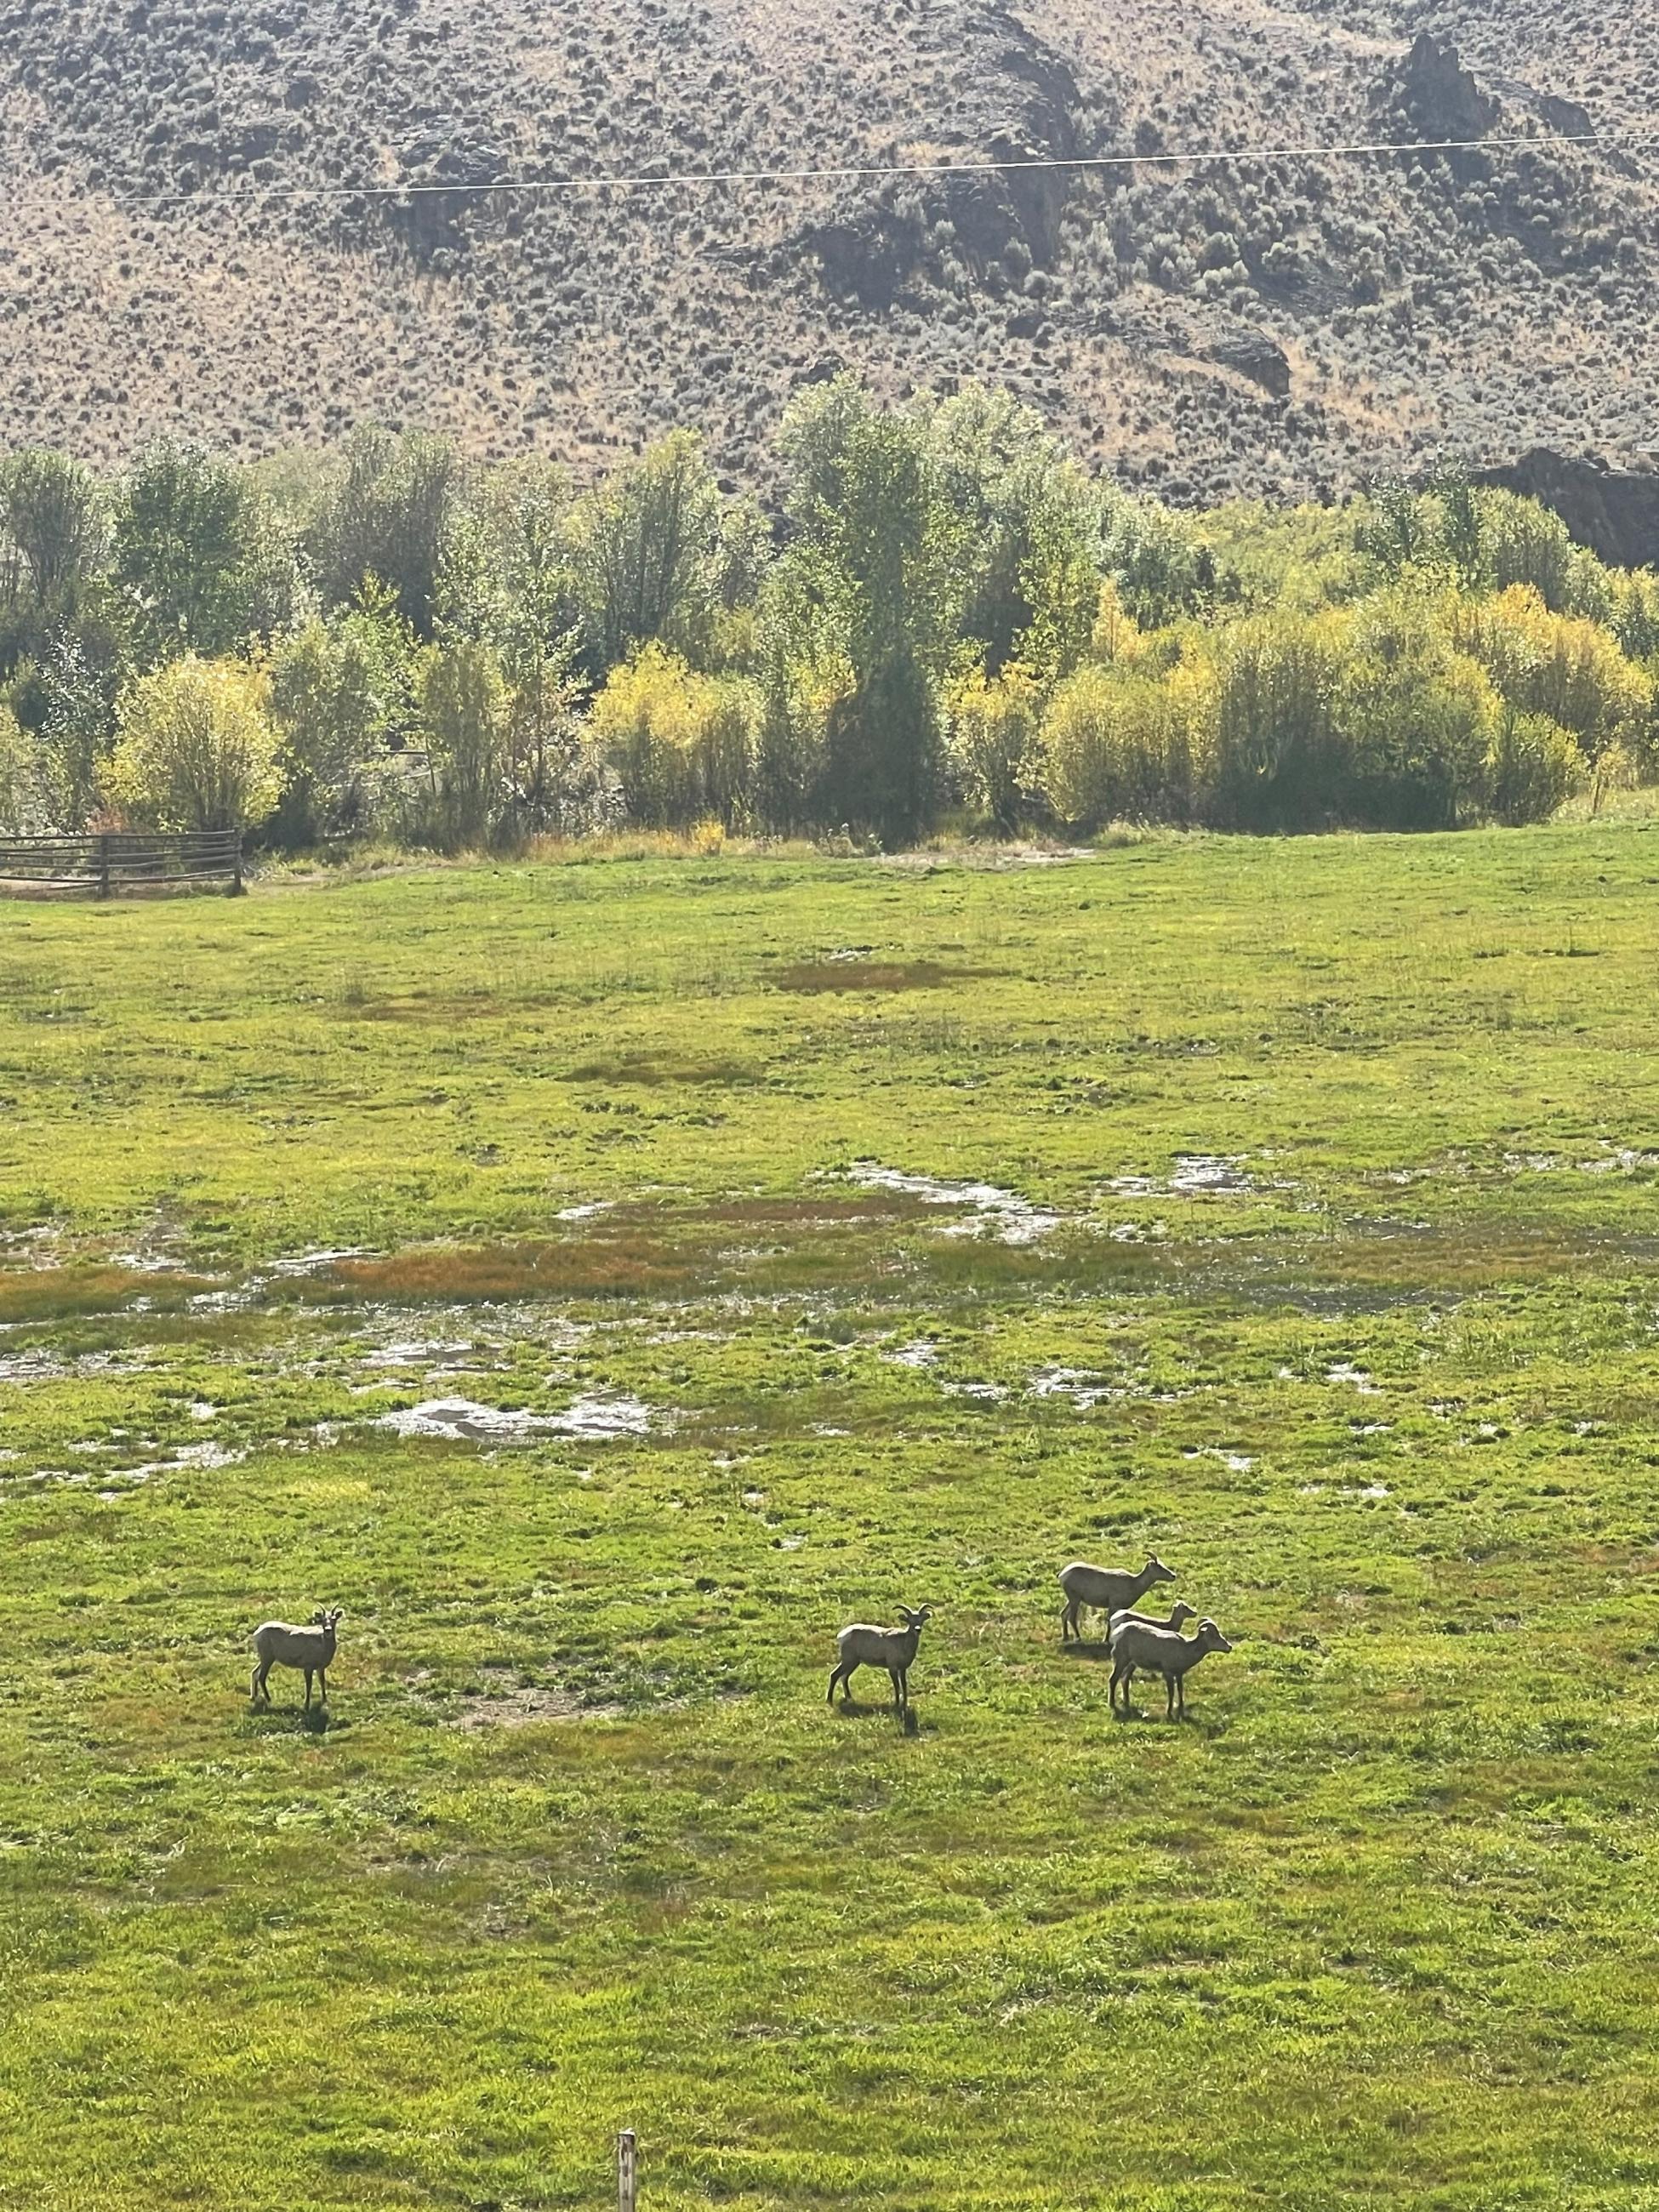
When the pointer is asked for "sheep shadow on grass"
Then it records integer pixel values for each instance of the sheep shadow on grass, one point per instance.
(852, 1709)
(292, 1720)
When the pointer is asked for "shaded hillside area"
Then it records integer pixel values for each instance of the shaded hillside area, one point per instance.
(1204, 329)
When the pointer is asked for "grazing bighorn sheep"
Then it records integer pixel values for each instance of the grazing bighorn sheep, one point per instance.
(1160, 1651)
(311, 1649)
(890, 1647)
(1107, 1590)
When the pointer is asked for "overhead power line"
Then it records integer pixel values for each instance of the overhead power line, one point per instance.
(664, 180)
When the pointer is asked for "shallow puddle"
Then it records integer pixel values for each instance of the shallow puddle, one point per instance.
(1082, 1386)
(994, 1212)
(1194, 1175)
(464, 1420)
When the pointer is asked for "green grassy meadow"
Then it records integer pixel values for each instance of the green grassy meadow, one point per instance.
(1318, 1255)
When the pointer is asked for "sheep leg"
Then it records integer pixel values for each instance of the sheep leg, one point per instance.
(834, 1678)
(1169, 1682)
(257, 1685)
(322, 1685)
(848, 1670)
(308, 1680)
(1111, 1695)
(1067, 1622)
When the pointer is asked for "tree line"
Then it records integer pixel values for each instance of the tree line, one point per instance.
(945, 618)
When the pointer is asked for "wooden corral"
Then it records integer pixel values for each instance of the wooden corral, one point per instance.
(120, 864)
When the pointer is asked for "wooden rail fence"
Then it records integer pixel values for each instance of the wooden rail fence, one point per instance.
(120, 863)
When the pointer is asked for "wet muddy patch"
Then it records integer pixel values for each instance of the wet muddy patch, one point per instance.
(1078, 1386)
(988, 1210)
(598, 1418)
(1191, 1175)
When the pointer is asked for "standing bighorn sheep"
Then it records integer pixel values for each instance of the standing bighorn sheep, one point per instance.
(1179, 1613)
(310, 1648)
(1107, 1590)
(892, 1649)
(1160, 1651)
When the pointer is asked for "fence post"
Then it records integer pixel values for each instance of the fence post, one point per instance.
(236, 885)
(103, 867)
(627, 2170)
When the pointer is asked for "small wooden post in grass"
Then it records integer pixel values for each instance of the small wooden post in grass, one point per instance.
(103, 867)
(627, 2170)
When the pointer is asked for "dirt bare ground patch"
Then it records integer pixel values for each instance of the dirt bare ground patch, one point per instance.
(523, 1708)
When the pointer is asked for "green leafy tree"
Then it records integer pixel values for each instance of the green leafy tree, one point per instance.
(196, 748)
(179, 553)
(1162, 567)
(53, 528)
(388, 515)
(1031, 531)
(878, 553)
(647, 553)
(530, 615)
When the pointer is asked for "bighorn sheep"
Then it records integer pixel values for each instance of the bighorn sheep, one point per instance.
(890, 1647)
(1179, 1613)
(311, 1649)
(1160, 1651)
(1107, 1590)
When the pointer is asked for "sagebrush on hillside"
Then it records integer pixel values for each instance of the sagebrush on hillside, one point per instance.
(1257, 322)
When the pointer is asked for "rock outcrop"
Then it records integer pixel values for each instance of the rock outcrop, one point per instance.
(1615, 511)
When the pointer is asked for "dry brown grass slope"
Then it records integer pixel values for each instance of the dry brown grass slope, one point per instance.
(1235, 326)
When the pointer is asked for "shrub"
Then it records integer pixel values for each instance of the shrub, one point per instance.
(991, 725)
(1117, 744)
(339, 692)
(196, 748)
(681, 744)
(1415, 717)
(1281, 761)
(23, 809)
(1532, 766)
(1563, 666)
(462, 717)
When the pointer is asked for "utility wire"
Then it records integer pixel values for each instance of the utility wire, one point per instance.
(646, 180)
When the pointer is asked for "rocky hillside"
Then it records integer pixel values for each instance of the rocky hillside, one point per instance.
(183, 246)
